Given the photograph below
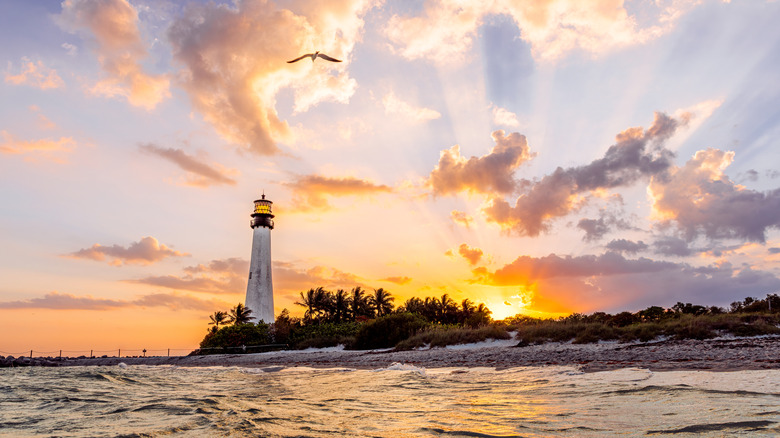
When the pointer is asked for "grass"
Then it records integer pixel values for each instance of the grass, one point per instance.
(443, 336)
(676, 327)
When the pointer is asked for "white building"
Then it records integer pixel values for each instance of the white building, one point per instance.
(259, 288)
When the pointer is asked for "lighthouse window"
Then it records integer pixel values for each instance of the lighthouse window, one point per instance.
(250, 275)
(262, 208)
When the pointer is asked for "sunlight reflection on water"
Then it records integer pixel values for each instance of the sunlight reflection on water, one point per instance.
(394, 402)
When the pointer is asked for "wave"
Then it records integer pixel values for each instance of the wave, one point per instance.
(747, 426)
(398, 366)
(686, 388)
(466, 433)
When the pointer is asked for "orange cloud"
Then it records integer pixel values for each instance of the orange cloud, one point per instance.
(226, 276)
(398, 280)
(199, 173)
(610, 282)
(113, 27)
(637, 153)
(487, 174)
(35, 74)
(234, 63)
(43, 147)
(473, 255)
(460, 217)
(146, 251)
(310, 192)
(700, 199)
(60, 301)
(290, 279)
(447, 28)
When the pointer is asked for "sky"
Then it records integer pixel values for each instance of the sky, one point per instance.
(541, 157)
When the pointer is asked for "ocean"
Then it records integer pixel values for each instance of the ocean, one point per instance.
(398, 401)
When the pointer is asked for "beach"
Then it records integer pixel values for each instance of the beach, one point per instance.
(720, 354)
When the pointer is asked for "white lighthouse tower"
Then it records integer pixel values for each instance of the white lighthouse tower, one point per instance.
(259, 288)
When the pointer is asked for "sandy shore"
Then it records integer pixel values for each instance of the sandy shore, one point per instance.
(716, 354)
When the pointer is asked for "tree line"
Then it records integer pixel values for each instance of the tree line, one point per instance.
(324, 306)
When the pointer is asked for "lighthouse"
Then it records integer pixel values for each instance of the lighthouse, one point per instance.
(259, 288)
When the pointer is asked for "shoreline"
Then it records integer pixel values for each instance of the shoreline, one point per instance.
(719, 354)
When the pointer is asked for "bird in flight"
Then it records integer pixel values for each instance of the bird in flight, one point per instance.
(314, 56)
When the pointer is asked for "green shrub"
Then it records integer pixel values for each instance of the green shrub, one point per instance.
(643, 332)
(595, 332)
(323, 335)
(388, 331)
(234, 336)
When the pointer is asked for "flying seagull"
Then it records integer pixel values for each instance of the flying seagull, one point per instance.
(314, 56)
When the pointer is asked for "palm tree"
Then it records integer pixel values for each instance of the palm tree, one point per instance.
(218, 318)
(309, 301)
(431, 309)
(323, 301)
(340, 305)
(381, 301)
(358, 303)
(413, 305)
(466, 309)
(482, 308)
(240, 314)
(448, 309)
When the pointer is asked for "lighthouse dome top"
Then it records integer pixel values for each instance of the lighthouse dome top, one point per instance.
(262, 214)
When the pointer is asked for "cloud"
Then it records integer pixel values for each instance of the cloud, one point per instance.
(199, 173)
(460, 217)
(671, 246)
(290, 278)
(701, 200)
(612, 283)
(504, 117)
(773, 250)
(35, 74)
(234, 63)
(491, 173)
(626, 246)
(595, 229)
(112, 27)
(398, 280)
(446, 29)
(394, 105)
(527, 269)
(60, 301)
(636, 154)
(221, 276)
(311, 192)
(473, 255)
(144, 252)
(43, 122)
(70, 49)
(43, 147)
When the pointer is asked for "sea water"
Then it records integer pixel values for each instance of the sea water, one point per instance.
(398, 401)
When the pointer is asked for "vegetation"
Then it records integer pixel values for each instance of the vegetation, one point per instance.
(442, 336)
(751, 317)
(237, 336)
(359, 319)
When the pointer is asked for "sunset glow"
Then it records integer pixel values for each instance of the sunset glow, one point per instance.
(540, 157)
